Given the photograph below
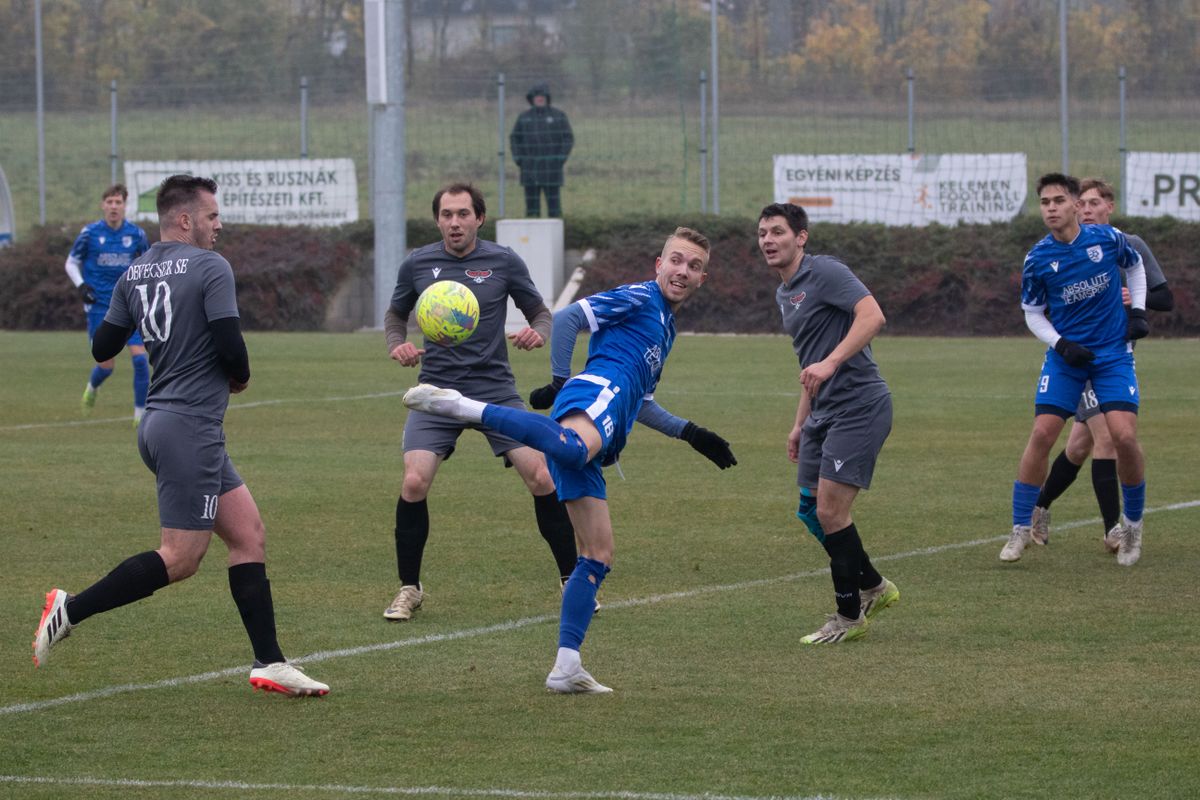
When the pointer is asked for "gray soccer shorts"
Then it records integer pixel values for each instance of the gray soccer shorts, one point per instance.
(1088, 406)
(439, 434)
(187, 456)
(844, 446)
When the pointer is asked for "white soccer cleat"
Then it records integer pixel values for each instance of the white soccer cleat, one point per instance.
(838, 629)
(1018, 540)
(53, 627)
(282, 677)
(578, 682)
(1112, 539)
(407, 601)
(1039, 526)
(1130, 548)
(433, 400)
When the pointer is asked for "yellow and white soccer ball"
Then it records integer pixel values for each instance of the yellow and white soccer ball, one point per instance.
(447, 312)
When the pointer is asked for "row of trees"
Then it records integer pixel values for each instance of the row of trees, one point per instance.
(184, 51)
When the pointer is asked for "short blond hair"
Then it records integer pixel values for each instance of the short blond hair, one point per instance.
(1102, 187)
(689, 235)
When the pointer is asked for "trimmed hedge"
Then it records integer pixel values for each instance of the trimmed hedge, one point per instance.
(936, 281)
(929, 281)
(285, 276)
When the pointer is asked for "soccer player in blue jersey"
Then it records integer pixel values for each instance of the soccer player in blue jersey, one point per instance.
(1071, 294)
(633, 329)
(101, 254)
(1089, 433)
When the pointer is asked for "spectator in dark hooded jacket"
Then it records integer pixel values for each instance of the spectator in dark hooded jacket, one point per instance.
(541, 140)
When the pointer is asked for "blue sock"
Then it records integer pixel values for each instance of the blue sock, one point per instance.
(99, 376)
(141, 379)
(579, 601)
(541, 433)
(1024, 499)
(807, 513)
(1134, 498)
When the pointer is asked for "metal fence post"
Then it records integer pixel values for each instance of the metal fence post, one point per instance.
(912, 135)
(1123, 150)
(500, 137)
(304, 116)
(1062, 85)
(716, 146)
(41, 113)
(703, 143)
(112, 151)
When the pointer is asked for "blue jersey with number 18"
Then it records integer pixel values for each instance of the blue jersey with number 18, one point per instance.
(1078, 285)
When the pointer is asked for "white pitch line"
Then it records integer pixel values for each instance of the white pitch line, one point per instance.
(406, 791)
(232, 407)
(524, 622)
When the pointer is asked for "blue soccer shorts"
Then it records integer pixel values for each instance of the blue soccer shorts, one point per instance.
(95, 316)
(1113, 377)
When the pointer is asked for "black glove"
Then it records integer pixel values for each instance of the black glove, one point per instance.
(1076, 355)
(544, 397)
(1137, 327)
(88, 294)
(709, 445)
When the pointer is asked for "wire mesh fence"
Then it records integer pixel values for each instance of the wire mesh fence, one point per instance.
(222, 80)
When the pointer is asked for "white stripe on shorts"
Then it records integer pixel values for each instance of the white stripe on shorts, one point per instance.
(600, 404)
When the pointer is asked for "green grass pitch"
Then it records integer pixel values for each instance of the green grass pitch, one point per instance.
(1062, 675)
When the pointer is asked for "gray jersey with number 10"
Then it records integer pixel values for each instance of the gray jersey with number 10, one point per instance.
(171, 293)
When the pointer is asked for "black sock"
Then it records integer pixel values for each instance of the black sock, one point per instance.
(134, 578)
(868, 576)
(845, 556)
(252, 592)
(1062, 475)
(1108, 490)
(555, 526)
(412, 531)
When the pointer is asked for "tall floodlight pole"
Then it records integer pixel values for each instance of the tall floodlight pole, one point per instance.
(385, 39)
(112, 130)
(41, 112)
(703, 143)
(1062, 82)
(500, 138)
(716, 148)
(1124, 149)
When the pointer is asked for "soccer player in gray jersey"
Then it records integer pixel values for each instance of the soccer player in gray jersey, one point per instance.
(1091, 438)
(181, 296)
(844, 413)
(478, 368)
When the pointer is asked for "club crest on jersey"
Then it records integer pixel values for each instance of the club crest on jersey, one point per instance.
(654, 357)
(797, 299)
(1095, 253)
(126, 241)
(479, 275)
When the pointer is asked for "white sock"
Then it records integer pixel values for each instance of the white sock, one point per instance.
(470, 410)
(567, 660)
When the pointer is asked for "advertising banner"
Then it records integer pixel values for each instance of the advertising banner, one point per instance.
(904, 189)
(1163, 185)
(301, 191)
